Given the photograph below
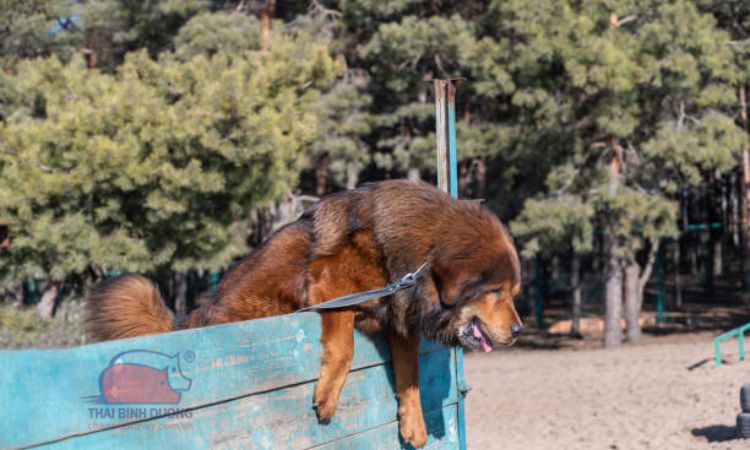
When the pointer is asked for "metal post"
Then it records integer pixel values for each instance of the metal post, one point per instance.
(214, 278)
(717, 351)
(741, 343)
(445, 132)
(29, 290)
(447, 179)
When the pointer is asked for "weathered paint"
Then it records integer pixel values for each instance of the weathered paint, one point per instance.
(441, 133)
(452, 155)
(251, 386)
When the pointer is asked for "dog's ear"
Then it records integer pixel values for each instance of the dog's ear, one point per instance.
(450, 278)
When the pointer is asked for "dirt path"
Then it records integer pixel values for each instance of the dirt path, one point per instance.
(634, 397)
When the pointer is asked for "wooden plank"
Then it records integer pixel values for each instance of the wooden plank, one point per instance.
(284, 418)
(441, 133)
(56, 387)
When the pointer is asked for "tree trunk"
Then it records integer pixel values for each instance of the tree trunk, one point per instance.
(708, 262)
(693, 256)
(287, 209)
(413, 174)
(716, 215)
(632, 307)
(554, 268)
(46, 306)
(718, 257)
(266, 14)
(734, 207)
(613, 314)
(539, 291)
(645, 274)
(481, 174)
(352, 177)
(575, 284)
(464, 175)
(744, 202)
(321, 175)
(180, 293)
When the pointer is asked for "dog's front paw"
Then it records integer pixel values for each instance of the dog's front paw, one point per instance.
(325, 402)
(413, 428)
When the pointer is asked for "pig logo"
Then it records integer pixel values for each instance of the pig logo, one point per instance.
(143, 376)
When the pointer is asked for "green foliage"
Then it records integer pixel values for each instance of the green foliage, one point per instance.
(344, 122)
(20, 323)
(683, 152)
(631, 219)
(210, 33)
(157, 165)
(555, 225)
(652, 92)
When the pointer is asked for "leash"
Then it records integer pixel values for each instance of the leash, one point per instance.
(405, 282)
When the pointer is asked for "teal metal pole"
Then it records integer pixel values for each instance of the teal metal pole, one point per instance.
(717, 351)
(29, 290)
(452, 158)
(214, 280)
(741, 342)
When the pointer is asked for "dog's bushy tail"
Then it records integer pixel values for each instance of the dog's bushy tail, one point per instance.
(126, 306)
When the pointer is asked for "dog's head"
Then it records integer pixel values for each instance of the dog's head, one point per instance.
(467, 296)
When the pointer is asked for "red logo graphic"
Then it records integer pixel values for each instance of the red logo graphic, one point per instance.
(143, 376)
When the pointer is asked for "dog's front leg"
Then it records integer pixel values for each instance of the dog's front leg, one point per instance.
(338, 349)
(405, 353)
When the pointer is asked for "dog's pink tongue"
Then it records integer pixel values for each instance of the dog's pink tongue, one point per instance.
(482, 340)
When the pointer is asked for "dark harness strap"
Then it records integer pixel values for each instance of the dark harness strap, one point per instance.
(407, 281)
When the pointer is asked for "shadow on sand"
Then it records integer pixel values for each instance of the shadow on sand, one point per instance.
(716, 433)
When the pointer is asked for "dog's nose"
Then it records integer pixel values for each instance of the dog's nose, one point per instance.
(515, 330)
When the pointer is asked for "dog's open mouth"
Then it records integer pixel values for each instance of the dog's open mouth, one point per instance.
(475, 337)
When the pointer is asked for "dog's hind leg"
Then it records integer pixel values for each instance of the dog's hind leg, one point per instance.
(338, 350)
(405, 353)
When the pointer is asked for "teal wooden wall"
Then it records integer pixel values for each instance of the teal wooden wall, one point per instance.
(251, 387)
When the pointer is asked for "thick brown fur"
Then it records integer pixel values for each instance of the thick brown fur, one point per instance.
(126, 306)
(349, 242)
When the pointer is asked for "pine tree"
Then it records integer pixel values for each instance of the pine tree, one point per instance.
(157, 166)
(610, 88)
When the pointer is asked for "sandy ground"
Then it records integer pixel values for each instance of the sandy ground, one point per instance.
(663, 394)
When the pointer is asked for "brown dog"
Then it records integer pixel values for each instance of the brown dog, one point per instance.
(350, 242)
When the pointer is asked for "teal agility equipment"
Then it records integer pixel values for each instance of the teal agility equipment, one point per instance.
(241, 385)
(738, 332)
